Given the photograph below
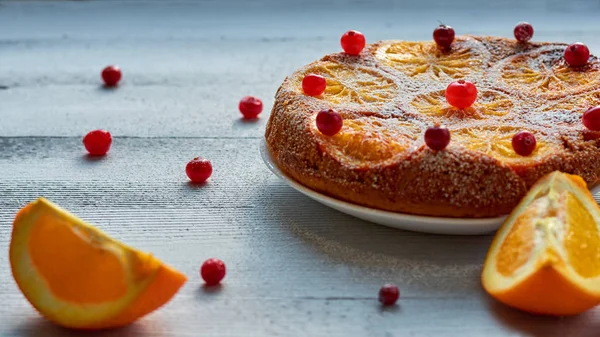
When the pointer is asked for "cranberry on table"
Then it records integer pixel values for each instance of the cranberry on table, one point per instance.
(212, 271)
(97, 142)
(198, 170)
(437, 137)
(523, 32)
(353, 42)
(313, 84)
(443, 36)
(111, 75)
(577, 54)
(329, 122)
(523, 143)
(250, 107)
(461, 94)
(591, 118)
(389, 294)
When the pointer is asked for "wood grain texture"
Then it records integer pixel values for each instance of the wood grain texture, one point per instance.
(187, 63)
(295, 267)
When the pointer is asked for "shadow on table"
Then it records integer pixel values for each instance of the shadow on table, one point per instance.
(584, 325)
(248, 124)
(38, 327)
(107, 89)
(88, 159)
(445, 263)
(317, 223)
(440, 265)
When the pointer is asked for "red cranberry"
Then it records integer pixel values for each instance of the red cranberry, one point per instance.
(212, 271)
(313, 84)
(329, 122)
(523, 32)
(437, 137)
(198, 170)
(353, 42)
(461, 94)
(250, 107)
(111, 75)
(443, 35)
(97, 142)
(577, 54)
(591, 118)
(590, 135)
(388, 294)
(523, 143)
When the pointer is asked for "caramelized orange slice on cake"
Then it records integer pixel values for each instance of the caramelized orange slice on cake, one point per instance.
(424, 60)
(368, 141)
(544, 72)
(489, 103)
(496, 141)
(578, 103)
(353, 84)
(78, 277)
(545, 258)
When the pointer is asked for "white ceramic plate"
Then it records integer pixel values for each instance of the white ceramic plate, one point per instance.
(417, 223)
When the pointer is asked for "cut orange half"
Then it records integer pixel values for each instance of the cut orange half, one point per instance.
(78, 277)
(545, 258)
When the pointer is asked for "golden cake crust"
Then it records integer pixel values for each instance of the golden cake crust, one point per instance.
(391, 93)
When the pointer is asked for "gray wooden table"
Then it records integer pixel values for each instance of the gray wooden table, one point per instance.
(295, 267)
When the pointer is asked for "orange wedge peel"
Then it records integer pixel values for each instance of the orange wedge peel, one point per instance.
(78, 277)
(545, 259)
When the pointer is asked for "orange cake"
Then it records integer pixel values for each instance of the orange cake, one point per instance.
(394, 90)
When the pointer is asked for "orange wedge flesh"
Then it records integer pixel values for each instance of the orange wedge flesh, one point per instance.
(78, 277)
(545, 259)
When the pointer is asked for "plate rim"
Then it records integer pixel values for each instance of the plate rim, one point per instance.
(463, 222)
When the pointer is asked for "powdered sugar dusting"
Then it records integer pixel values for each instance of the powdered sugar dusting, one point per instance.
(391, 94)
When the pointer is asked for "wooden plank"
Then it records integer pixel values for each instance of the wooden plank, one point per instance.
(209, 315)
(294, 267)
(187, 64)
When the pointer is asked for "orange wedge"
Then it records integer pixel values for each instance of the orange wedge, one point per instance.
(545, 259)
(78, 277)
